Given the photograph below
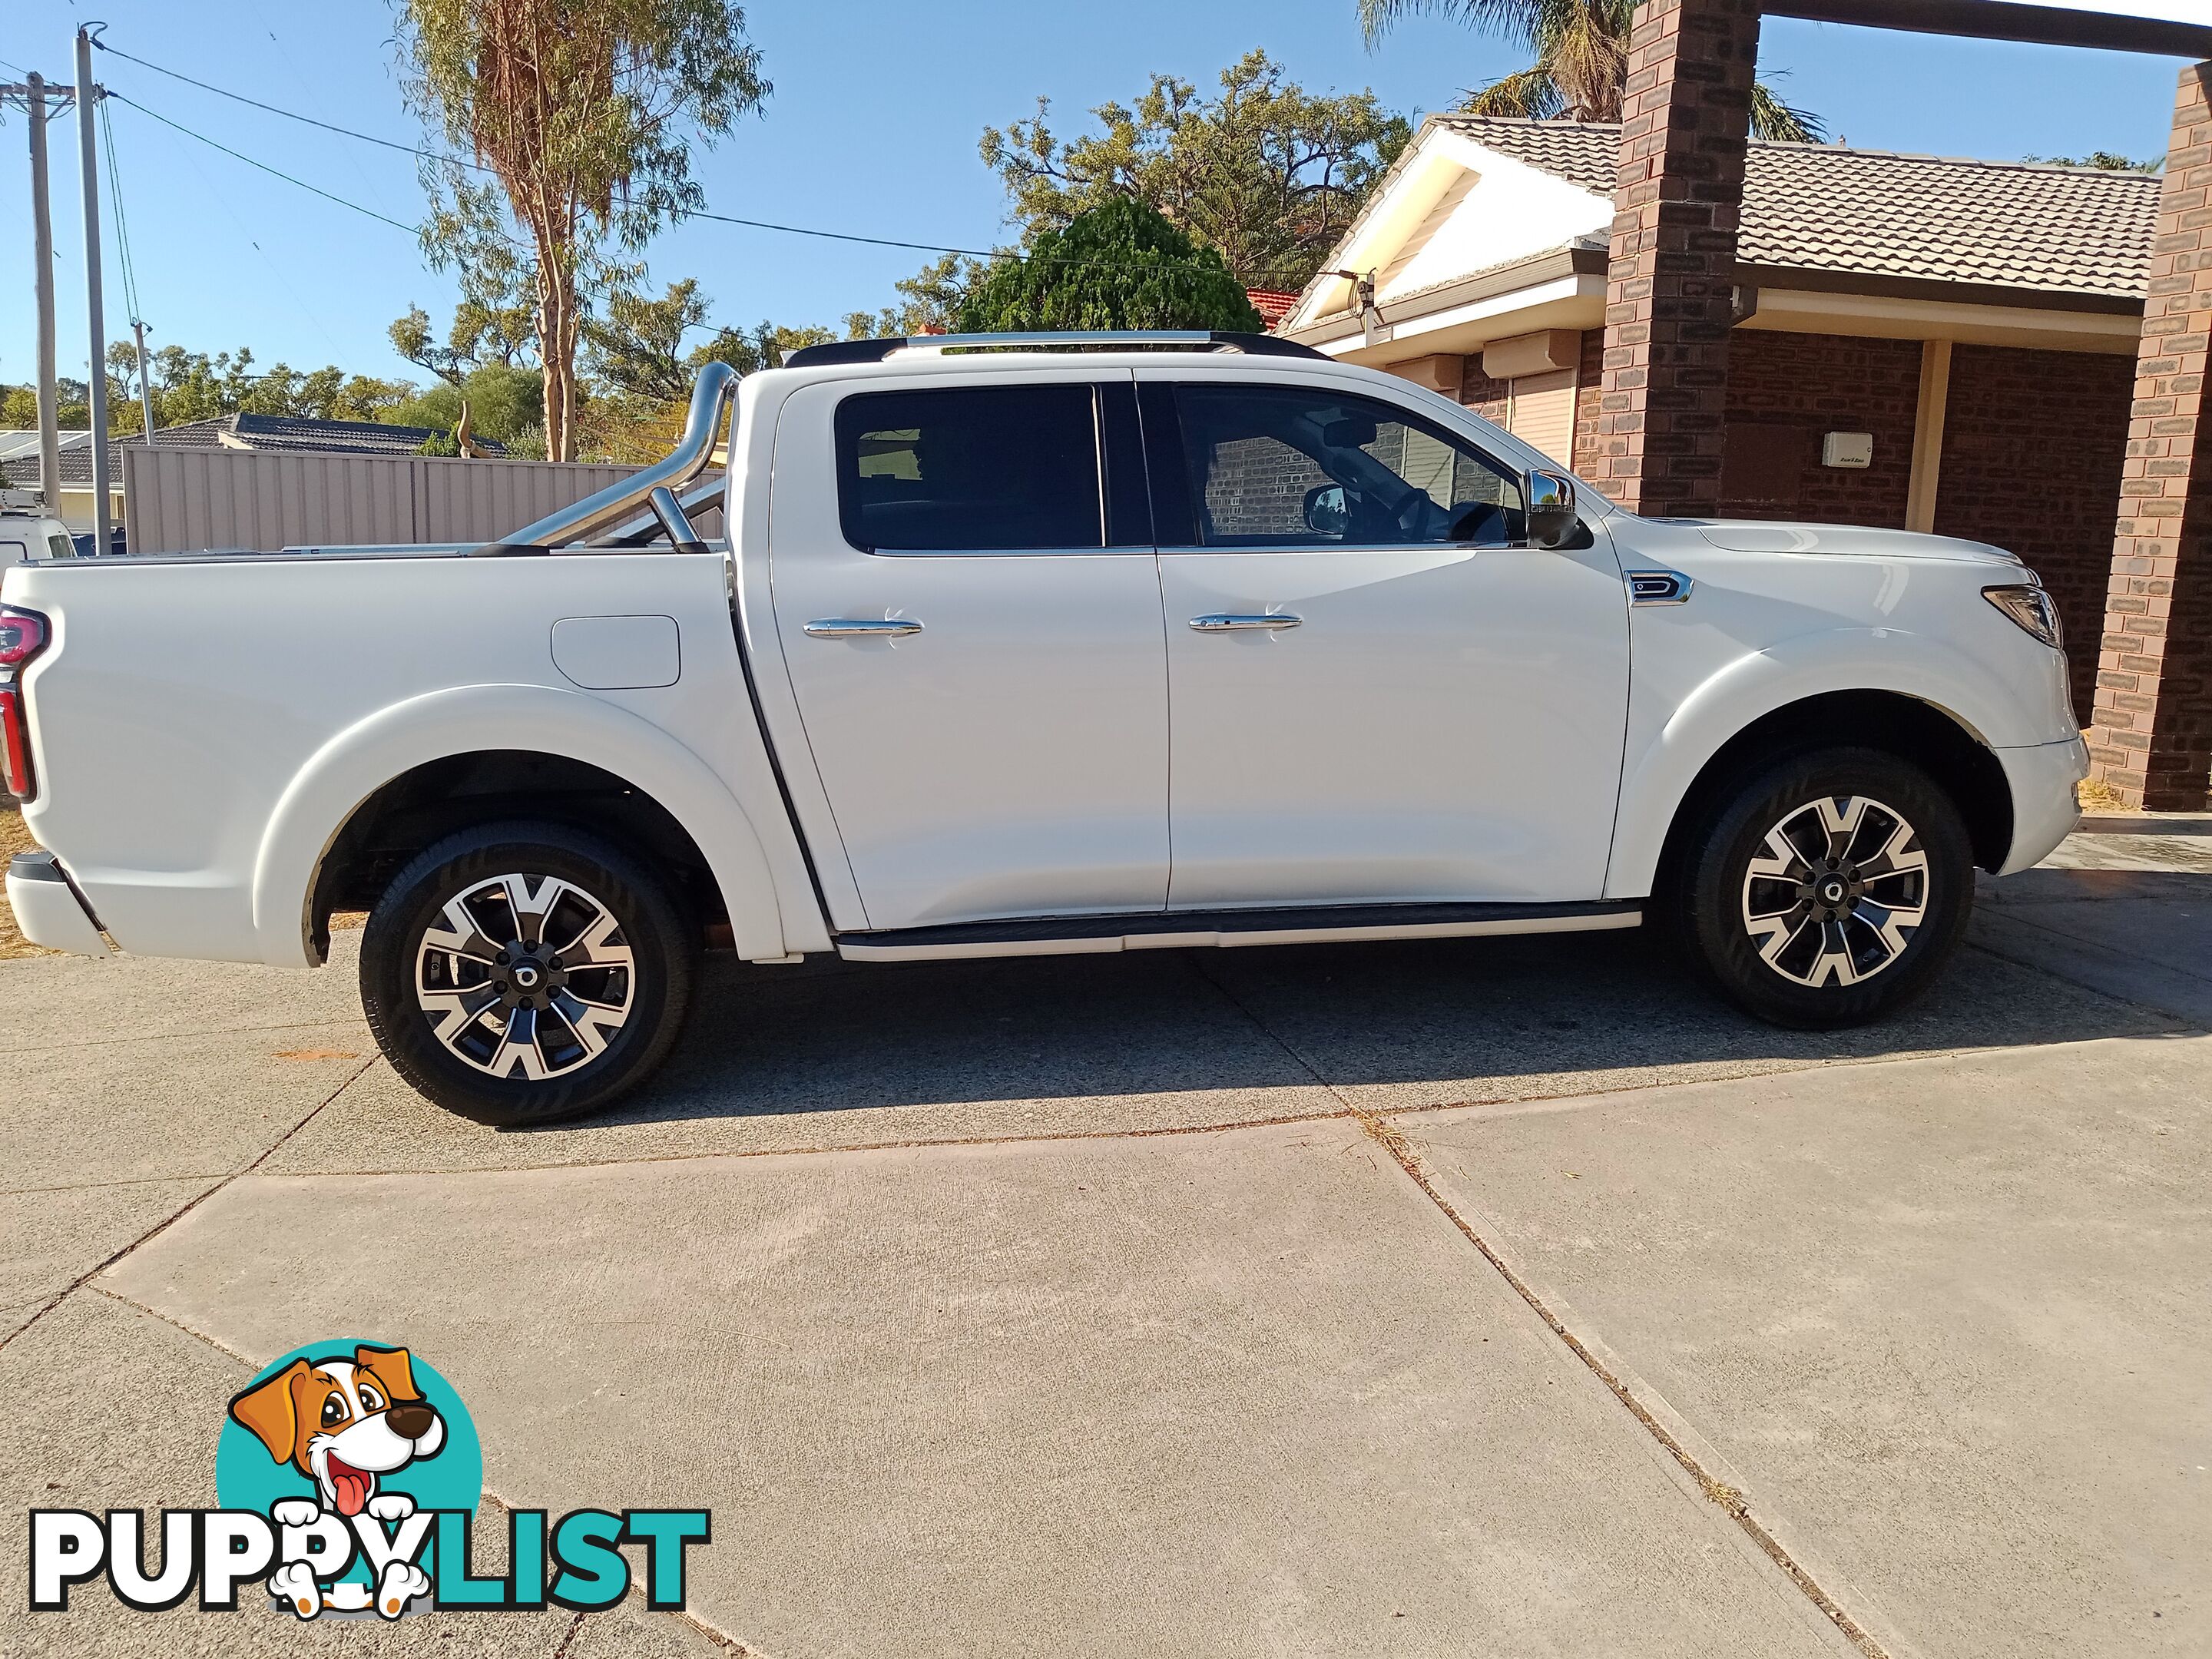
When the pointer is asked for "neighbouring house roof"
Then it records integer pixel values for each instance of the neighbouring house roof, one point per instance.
(1273, 304)
(295, 434)
(2050, 234)
(1824, 207)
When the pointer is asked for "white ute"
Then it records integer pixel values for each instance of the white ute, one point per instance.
(1072, 644)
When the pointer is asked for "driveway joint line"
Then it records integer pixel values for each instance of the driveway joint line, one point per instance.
(1732, 1503)
(2179, 1029)
(921, 1144)
(100, 1186)
(163, 1225)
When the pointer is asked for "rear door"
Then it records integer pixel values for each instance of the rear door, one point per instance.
(1380, 692)
(967, 599)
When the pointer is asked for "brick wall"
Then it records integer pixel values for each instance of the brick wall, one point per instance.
(1479, 392)
(2033, 446)
(1784, 392)
(1685, 115)
(1487, 397)
(2152, 735)
(1589, 379)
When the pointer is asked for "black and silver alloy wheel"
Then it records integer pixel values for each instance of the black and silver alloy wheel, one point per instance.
(1837, 891)
(524, 975)
(519, 973)
(1825, 889)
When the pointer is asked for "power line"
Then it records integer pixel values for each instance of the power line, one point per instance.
(122, 225)
(477, 167)
(277, 173)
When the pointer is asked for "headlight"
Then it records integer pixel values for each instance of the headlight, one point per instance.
(2031, 607)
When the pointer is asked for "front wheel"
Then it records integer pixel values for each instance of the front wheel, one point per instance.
(520, 973)
(1828, 890)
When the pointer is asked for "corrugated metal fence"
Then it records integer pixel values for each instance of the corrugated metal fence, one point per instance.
(190, 500)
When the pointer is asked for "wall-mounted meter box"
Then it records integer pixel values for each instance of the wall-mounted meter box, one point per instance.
(1847, 449)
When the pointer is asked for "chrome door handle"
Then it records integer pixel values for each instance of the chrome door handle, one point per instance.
(1220, 623)
(861, 628)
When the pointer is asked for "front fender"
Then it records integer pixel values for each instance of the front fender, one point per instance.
(323, 794)
(1656, 774)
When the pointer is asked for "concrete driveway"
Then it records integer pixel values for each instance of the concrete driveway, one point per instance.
(1485, 1298)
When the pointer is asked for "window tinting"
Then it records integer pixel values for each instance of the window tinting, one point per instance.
(1286, 467)
(969, 469)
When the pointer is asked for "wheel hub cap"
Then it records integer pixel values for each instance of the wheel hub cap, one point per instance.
(525, 975)
(1836, 891)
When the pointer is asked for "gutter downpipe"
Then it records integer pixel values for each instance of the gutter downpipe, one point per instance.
(710, 401)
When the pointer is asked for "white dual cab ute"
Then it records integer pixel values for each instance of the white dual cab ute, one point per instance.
(1020, 645)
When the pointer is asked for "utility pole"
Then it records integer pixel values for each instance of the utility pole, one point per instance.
(145, 386)
(33, 96)
(87, 96)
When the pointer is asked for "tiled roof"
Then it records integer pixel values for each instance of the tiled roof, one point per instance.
(1273, 304)
(1822, 207)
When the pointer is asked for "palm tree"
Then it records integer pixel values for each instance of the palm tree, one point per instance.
(1582, 59)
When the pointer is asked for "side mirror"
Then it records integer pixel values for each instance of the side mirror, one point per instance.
(1551, 516)
(1327, 514)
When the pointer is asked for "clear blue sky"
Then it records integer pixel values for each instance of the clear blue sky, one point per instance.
(871, 128)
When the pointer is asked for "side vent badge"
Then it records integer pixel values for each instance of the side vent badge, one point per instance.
(1657, 587)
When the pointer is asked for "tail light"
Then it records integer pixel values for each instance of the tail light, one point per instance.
(23, 634)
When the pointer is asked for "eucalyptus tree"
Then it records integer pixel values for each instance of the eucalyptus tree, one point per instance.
(579, 115)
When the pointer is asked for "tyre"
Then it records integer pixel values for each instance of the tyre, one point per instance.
(522, 973)
(1826, 889)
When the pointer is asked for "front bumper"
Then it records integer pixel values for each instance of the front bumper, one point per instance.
(47, 909)
(2044, 809)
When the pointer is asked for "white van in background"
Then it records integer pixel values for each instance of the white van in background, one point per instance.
(27, 535)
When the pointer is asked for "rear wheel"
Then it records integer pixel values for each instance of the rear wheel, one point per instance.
(1829, 888)
(521, 973)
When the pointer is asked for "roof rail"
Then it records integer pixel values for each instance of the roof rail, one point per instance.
(1106, 339)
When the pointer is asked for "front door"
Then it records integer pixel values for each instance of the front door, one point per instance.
(970, 610)
(1379, 692)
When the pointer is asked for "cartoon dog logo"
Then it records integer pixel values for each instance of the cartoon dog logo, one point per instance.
(344, 1423)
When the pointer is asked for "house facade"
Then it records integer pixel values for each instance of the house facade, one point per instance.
(1916, 342)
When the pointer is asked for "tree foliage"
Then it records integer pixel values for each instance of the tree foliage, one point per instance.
(1581, 51)
(482, 335)
(1265, 172)
(2103, 161)
(581, 109)
(192, 386)
(929, 300)
(1119, 264)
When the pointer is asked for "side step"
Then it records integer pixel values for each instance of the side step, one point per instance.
(1176, 930)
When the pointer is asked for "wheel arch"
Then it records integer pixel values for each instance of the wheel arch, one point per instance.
(615, 773)
(1932, 737)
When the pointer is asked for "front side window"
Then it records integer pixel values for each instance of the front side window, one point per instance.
(1293, 466)
(969, 469)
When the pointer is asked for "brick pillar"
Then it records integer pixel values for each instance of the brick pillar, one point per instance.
(2150, 737)
(1685, 115)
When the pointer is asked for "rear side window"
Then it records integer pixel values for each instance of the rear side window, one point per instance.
(971, 469)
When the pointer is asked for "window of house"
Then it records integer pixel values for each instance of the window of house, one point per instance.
(971, 469)
(1289, 466)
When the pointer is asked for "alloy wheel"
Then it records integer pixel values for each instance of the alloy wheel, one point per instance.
(1837, 890)
(527, 974)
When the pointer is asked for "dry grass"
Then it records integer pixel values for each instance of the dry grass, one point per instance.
(14, 839)
(2098, 798)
